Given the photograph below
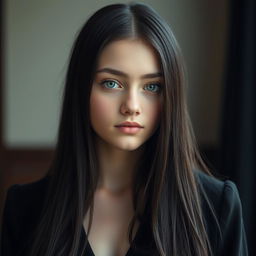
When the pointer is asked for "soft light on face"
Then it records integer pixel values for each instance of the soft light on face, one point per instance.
(127, 87)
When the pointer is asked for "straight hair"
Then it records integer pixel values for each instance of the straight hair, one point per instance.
(165, 192)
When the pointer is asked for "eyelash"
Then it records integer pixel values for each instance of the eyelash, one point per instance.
(158, 84)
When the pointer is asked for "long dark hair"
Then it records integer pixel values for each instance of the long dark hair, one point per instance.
(165, 184)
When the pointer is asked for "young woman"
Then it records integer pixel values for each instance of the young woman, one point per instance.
(127, 178)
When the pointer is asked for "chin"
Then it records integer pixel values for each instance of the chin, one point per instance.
(122, 144)
(128, 145)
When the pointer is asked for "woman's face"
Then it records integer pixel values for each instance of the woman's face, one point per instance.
(126, 88)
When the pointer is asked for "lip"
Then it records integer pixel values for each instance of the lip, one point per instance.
(129, 124)
(129, 129)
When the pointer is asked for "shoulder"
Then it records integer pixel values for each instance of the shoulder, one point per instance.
(219, 193)
(22, 209)
(21, 197)
(222, 212)
(27, 191)
(209, 184)
(24, 200)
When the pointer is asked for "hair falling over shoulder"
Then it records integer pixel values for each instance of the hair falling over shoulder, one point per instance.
(166, 183)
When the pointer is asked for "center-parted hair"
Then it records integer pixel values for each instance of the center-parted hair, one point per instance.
(166, 197)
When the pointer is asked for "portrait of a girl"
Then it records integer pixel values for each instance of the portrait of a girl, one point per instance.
(127, 178)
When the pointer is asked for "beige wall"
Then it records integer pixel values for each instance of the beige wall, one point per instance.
(38, 38)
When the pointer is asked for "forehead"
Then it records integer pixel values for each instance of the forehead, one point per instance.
(133, 56)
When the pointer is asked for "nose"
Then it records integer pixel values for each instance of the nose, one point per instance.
(130, 104)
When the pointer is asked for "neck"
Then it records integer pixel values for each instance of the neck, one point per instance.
(116, 167)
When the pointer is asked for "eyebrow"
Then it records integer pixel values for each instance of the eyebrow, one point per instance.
(120, 73)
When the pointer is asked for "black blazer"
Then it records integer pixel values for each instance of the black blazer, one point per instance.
(24, 203)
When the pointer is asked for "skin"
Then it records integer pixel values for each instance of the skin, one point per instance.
(122, 99)
(131, 99)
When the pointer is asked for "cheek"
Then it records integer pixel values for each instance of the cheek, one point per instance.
(153, 112)
(100, 108)
(96, 105)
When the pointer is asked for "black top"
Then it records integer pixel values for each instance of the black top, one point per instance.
(24, 203)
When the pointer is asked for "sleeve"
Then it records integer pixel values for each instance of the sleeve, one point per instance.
(9, 239)
(233, 241)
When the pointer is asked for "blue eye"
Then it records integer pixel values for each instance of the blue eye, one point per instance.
(110, 84)
(154, 87)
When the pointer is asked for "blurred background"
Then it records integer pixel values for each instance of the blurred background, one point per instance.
(218, 43)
